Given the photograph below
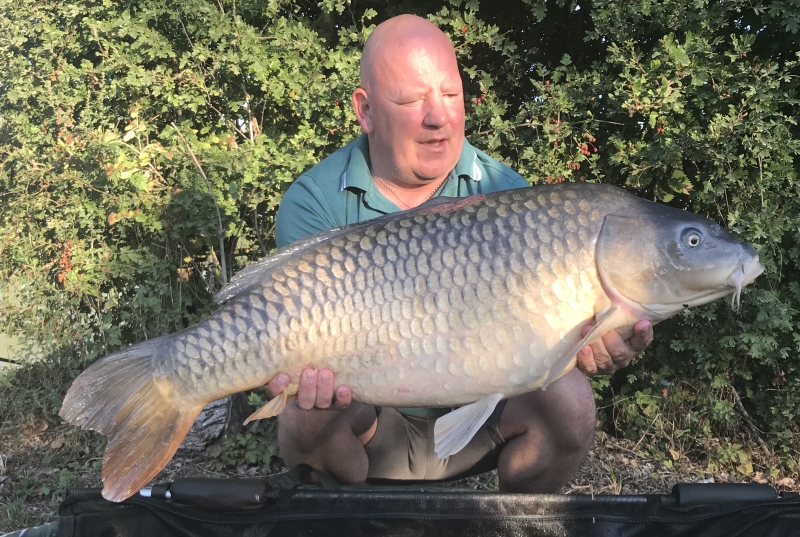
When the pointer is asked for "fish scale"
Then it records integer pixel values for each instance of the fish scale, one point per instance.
(457, 302)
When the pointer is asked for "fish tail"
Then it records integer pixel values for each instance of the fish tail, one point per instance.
(120, 397)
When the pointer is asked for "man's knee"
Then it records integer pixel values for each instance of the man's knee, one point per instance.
(329, 440)
(305, 430)
(298, 427)
(564, 414)
(577, 410)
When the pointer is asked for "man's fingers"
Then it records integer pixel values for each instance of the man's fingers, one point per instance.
(642, 337)
(316, 390)
(586, 361)
(307, 391)
(620, 352)
(324, 389)
(603, 357)
(585, 330)
(344, 396)
(616, 351)
(277, 384)
(612, 352)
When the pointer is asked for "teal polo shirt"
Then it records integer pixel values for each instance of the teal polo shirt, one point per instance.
(340, 191)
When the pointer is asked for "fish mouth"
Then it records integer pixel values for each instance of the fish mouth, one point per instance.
(743, 275)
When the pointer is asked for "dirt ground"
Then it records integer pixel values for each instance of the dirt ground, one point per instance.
(39, 462)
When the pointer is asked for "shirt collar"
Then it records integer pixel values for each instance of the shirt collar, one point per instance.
(357, 175)
(468, 164)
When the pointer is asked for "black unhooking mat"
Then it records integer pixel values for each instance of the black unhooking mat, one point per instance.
(278, 506)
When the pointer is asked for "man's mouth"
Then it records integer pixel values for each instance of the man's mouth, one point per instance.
(434, 143)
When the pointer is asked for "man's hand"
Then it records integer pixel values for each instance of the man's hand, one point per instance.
(315, 390)
(612, 352)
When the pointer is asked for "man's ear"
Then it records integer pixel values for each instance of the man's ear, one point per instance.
(362, 108)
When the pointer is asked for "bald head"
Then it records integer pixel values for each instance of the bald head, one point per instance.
(411, 105)
(399, 37)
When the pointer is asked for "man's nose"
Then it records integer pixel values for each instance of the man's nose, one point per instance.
(436, 115)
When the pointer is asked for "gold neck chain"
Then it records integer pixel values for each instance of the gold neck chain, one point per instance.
(404, 202)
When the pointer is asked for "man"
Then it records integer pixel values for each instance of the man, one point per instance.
(411, 108)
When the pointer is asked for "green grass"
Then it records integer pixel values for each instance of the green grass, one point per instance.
(37, 470)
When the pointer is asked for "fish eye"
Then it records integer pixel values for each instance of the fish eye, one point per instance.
(691, 237)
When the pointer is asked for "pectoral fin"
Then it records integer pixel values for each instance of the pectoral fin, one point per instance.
(454, 430)
(609, 322)
(275, 405)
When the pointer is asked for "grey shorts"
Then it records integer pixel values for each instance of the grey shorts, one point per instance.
(402, 450)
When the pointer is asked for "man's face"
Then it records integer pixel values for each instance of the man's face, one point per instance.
(415, 111)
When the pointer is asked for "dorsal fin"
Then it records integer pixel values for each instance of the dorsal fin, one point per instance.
(255, 273)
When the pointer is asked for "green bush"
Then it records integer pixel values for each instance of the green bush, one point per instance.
(144, 147)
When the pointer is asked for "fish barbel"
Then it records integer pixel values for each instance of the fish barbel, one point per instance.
(461, 301)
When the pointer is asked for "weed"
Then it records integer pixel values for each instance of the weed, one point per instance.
(66, 480)
(15, 513)
(244, 449)
(614, 479)
(726, 455)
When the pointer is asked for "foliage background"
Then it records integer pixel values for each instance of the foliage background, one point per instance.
(144, 148)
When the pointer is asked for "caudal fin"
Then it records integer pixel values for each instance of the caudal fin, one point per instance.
(119, 397)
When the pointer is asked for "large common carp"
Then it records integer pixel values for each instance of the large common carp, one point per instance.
(457, 302)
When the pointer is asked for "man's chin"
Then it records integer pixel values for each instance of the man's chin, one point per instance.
(425, 178)
(433, 172)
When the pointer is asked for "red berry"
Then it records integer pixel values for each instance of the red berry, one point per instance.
(464, 29)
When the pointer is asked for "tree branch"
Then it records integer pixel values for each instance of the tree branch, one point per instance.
(220, 230)
(750, 424)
